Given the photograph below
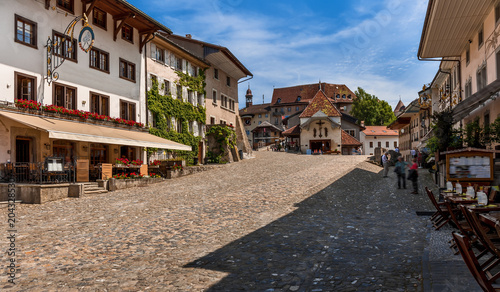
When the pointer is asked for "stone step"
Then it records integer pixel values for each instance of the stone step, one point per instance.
(101, 191)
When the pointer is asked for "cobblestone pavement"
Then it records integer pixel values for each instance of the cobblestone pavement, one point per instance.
(279, 222)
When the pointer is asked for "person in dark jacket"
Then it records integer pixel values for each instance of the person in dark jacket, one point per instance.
(413, 175)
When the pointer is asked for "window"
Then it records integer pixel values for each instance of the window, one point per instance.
(127, 110)
(387, 144)
(212, 121)
(190, 96)
(343, 96)
(128, 33)
(67, 5)
(216, 73)
(179, 92)
(166, 87)
(99, 104)
(497, 13)
(178, 63)
(25, 86)
(190, 126)
(67, 49)
(481, 78)
(64, 96)
(480, 38)
(276, 121)
(99, 18)
(214, 97)
(467, 56)
(260, 116)
(98, 153)
(279, 100)
(267, 115)
(260, 122)
(379, 144)
(498, 64)
(99, 60)
(371, 144)
(159, 54)
(153, 80)
(228, 81)
(200, 98)
(26, 31)
(297, 108)
(395, 144)
(127, 70)
(351, 132)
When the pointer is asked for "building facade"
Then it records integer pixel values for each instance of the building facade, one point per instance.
(92, 107)
(378, 137)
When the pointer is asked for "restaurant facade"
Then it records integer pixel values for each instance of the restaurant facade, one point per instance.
(74, 87)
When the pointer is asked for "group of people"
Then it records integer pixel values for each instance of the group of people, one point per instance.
(400, 170)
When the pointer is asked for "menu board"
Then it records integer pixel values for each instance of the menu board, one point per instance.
(470, 166)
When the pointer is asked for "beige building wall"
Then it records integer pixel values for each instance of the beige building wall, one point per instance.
(218, 86)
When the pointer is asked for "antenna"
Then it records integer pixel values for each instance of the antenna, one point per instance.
(263, 99)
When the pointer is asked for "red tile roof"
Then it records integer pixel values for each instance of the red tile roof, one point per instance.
(348, 140)
(308, 91)
(255, 109)
(293, 131)
(320, 103)
(380, 131)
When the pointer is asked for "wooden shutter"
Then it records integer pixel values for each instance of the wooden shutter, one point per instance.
(82, 170)
(153, 51)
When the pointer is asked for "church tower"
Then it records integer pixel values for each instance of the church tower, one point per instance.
(249, 97)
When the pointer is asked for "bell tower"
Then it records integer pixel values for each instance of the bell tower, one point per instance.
(249, 97)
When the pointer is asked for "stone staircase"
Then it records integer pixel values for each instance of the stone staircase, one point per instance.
(93, 188)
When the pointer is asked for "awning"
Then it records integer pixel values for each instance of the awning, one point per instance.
(77, 131)
(471, 103)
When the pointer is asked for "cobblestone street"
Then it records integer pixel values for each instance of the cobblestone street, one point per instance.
(279, 222)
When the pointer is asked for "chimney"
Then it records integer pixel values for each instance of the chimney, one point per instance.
(188, 35)
(362, 123)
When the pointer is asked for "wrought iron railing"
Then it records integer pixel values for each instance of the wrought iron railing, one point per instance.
(34, 173)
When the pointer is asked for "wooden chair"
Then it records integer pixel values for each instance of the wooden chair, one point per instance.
(462, 225)
(493, 196)
(484, 279)
(441, 216)
(486, 240)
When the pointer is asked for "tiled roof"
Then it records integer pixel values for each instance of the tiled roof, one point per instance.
(348, 140)
(399, 107)
(320, 103)
(255, 109)
(380, 131)
(295, 130)
(308, 91)
(266, 124)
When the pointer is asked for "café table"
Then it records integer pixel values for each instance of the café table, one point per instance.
(490, 218)
(483, 209)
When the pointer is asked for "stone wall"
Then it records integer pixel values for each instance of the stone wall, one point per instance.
(36, 194)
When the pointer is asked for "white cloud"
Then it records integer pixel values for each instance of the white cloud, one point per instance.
(374, 49)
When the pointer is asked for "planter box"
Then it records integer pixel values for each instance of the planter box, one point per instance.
(120, 184)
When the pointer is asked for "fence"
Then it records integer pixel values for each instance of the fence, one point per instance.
(35, 173)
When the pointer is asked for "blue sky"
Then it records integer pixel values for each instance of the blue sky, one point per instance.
(361, 43)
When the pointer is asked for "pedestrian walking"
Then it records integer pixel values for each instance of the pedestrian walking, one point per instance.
(413, 175)
(400, 170)
(385, 163)
(413, 152)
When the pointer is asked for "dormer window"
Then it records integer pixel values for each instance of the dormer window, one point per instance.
(343, 96)
(338, 96)
(279, 100)
(299, 98)
(349, 96)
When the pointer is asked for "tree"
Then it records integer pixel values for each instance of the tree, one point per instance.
(371, 110)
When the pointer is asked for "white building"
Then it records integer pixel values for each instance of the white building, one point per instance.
(378, 136)
(108, 80)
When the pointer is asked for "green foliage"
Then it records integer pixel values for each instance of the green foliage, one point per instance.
(444, 133)
(495, 130)
(474, 135)
(224, 136)
(164, 108)
(192, 83)
(371, 110)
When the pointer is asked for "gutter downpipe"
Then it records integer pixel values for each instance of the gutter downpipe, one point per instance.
(146, 73)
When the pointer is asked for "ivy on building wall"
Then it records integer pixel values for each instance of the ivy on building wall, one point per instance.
(225, 137)
(193, 83)
(165, 107)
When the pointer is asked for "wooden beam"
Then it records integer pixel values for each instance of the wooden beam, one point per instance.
(119, 27)
(144, 41)
(91, 7)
